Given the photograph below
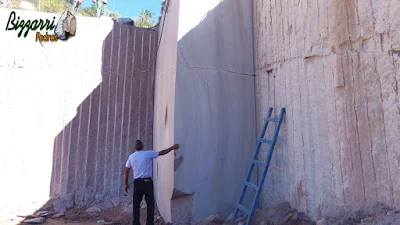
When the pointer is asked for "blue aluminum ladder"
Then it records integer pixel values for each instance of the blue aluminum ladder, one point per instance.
(260, 140)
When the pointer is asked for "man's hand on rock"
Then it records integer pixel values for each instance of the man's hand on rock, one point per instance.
(175, 147)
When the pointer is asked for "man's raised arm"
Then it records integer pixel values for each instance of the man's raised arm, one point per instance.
(166, 151)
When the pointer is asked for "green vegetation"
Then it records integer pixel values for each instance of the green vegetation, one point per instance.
(114, 15)
(144, 19)
(14, 4)
(54, 6)
(87, 11)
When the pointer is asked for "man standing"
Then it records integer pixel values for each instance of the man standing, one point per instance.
(141, 162)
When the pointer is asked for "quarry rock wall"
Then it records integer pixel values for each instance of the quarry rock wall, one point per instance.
(164, 109)
(335, 67)
(214, 107)
(71, 110)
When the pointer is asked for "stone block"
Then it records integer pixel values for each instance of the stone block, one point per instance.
(121, 199)
(58, 215)
(39, 220)
(44, 213)
(143, 204)
(93, 209)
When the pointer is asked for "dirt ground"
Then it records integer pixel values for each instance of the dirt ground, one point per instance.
(113, 213)
(99, 214)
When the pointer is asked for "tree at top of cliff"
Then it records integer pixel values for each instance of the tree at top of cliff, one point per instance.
(144, 19)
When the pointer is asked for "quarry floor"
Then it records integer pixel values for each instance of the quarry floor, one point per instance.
(120, 213)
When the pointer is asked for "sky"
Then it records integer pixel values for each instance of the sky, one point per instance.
(131, 8)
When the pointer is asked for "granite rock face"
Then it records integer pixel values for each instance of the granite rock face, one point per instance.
(209, 108)
(72, 110)
(91, 151)
(335, 67)
(164, 108)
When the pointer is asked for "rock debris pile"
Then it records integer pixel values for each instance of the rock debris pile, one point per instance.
(283, 214)
(118, 210)
(378, 215)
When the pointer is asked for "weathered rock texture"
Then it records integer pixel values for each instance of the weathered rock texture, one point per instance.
(91, 151)
(335, 66)
(205, 102)
(214, 106)
(71, 110)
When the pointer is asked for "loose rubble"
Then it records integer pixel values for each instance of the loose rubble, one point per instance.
(380, 214)
(119, 211)
(58, 211)
(58, 215)
(283, 214)
(126, 200)
(211, 220)
(112, 211)
(93, 210)
(44, 214)
(38, 220)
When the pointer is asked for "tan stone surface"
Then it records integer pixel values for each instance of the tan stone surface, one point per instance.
(334, 66)
(164, 109)
(214, 106)
(209, 102)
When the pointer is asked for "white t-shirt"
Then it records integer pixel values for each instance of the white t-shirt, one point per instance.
(142, 163)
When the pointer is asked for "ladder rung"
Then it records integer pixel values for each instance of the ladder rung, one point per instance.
(255, 187)
(260, 139)
(259, 162)
(243, 209)
(272, 119)
(264, 141)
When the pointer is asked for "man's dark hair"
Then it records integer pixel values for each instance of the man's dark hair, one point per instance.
(138, 145)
